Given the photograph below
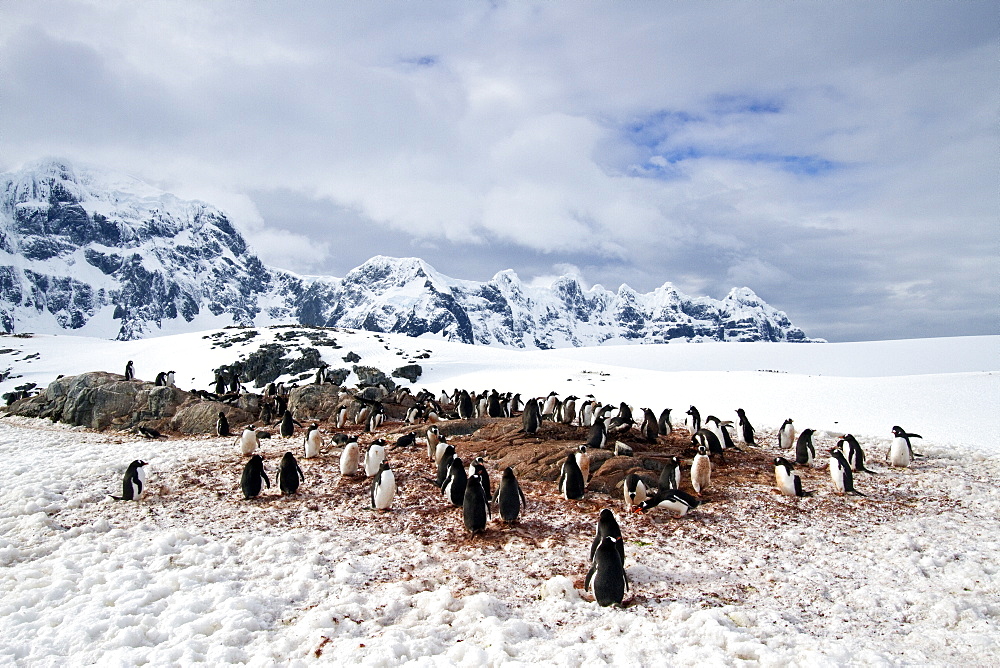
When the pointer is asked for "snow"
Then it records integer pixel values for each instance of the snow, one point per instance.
(906, 575)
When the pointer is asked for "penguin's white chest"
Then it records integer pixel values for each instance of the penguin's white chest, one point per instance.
(899, 453)
(785, 481)
(312, 444)
(349, 459)
(374, 459)
(837, 475)
(248, 442)
(701, 473)
(384, 491)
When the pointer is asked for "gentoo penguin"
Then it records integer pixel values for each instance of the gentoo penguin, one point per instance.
(342, 417)
(129, 371)
(161, 379)
(134, 482)
(786, 435)
(714, 425)
(441, 451)
(598, 435)
(663, 424)
(361, 417)
(569, 409)
(901, 452)
(672, 500)
(465, 406)
(853, 453)
(510, 497)
(349, 458)
(805, 451)
(454, 484)
(549, 408)
(254, 478)
(222, 425)
(788, 483)
(670, 476)
(583, 461)
(405, 441)
(289, 474)
(432, 442)
(607, 525)
(478, 467)
(375, 419)
(514, 405)
(727, 438)
(149, 432)
(607, 573)
(635, 490)
(707, 438)
(374, 457)
(312, 442)
(746, 429)
(650, 427)
(383, 489)
(531, 418)
(444, 463)
(701, 470)
(494, 407)
(571, 478)
(840, 474)
(288, 424)
(248, 440)
(587, 413)
(695, 419)
(475, 505)
(170, 379)
(414, 414)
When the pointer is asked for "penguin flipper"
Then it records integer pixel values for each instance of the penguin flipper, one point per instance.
(590, 575)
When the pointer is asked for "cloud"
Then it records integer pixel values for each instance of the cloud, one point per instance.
(824, 153)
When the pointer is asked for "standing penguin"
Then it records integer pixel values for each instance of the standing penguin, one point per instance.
(901, 452)
(134, 482)
(312, 442)
(695, 419)
(701, 470)
(571, 478)
(129, 371)
(707, 438)
(161, 379)
(607, 525)
(746, 429)
(663, 424)
(454, 484)
(342, 417)
(670, 476)
(465, 406)
(349, 458)
(805, 451)
(635, 490)
(383, 489)
(840, 474)
(788, 483)
(248, 440)
(853, 453)
(433, 434)
(478, 467)
(607, 573)
(288, 424)
(442, 451)
(531, 418)
(289, 474)
(583, 461)
(650, 427)
(374, 457)
(222, 425)
(254, 478)
(786, 435)
(598, 435)
(510, 498)
(444, 463)
(475, 505)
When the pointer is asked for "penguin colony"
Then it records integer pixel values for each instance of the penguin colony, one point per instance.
(468, 486)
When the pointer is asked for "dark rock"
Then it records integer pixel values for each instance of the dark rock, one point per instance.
(410, 372)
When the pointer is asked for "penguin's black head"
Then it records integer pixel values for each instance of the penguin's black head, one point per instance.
(508, 472)
(897, 431)
(582, 448)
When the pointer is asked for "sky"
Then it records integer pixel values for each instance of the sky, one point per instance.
(839, 158)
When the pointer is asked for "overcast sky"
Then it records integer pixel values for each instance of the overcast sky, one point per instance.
(839, 158)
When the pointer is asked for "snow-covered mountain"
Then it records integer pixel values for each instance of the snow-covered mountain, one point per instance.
(109, 256)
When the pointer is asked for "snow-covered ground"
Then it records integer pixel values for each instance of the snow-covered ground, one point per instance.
(906, 575)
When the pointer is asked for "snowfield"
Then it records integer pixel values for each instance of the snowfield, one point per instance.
(906, 575)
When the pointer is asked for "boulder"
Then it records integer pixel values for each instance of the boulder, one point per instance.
(315, 402)
(198, 417)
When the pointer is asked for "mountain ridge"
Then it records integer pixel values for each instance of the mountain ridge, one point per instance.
(102, 254)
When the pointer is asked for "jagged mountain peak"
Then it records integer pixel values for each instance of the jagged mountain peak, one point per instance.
(105, 254)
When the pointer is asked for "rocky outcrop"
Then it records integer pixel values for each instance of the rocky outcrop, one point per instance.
(100, 400)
